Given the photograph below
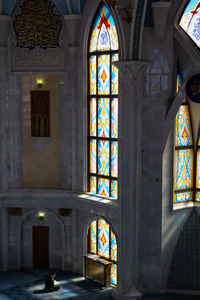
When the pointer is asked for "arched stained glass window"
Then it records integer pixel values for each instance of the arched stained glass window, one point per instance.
(190, 21)
(103, 106)
(102, 242)
(183, 159)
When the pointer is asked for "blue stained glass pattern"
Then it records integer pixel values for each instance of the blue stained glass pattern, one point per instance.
(114, 159)
(103, 187)
(179, 83)
(104, 74)
(114, 118)
(93, 116)
(93, 89)
(113, 247)
(198, 170)
(103, 158)
(104, 39)
(93, 237)
(93, 184)
(183, 133)
(103, 238)
(183, 169)
(113, 275)
(114, 189)
(197, 198)
(93, 156)
(183, 197)
(190, 21)
(103, 117)
(114, 76)
(104, 33)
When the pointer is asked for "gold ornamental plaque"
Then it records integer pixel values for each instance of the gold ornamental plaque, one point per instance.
(37, 25)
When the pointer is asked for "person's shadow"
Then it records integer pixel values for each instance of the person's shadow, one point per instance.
(40, 292)
(45, 292)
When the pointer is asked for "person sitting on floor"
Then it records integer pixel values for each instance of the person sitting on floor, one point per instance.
(49, 283)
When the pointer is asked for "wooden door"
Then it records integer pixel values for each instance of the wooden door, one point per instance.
(40, 113)
(40, 236)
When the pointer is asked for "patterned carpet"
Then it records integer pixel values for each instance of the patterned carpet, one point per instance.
(29, 285)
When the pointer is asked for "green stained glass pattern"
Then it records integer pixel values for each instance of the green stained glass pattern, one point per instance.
(93, 116)
(104, 117)
(92, 66)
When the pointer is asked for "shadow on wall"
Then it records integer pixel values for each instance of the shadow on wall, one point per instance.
(185, 267)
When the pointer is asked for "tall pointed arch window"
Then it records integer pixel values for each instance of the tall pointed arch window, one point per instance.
(103, 105)
(184, 156)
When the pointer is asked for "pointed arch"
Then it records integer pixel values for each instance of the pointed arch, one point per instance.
(103, 50)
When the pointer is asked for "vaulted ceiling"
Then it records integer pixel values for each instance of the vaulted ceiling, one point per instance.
(66, 6)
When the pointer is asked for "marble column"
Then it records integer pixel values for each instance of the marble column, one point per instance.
(131, 75)
(4, 245)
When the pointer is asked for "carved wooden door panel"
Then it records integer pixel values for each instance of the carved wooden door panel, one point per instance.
(40, 113)
(40, 238)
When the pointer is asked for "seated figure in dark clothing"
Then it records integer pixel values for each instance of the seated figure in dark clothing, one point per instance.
(49, 283)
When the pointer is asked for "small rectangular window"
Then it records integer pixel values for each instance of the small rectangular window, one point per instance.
(65, 212)
(15, 211)
(40, 113)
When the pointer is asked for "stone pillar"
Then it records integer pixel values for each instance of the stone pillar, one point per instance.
(4, 117)
(4, 245)
(130, 140)
(15, 133)
(71, 123)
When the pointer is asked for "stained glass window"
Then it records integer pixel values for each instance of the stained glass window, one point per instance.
(190, 21)
(178, 82)
(102, 242)
(103, 105)
(183, 158)
(197, 198)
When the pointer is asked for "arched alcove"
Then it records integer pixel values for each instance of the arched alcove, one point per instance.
(56, 238)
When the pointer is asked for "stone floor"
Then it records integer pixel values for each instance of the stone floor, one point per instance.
(29, 285)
